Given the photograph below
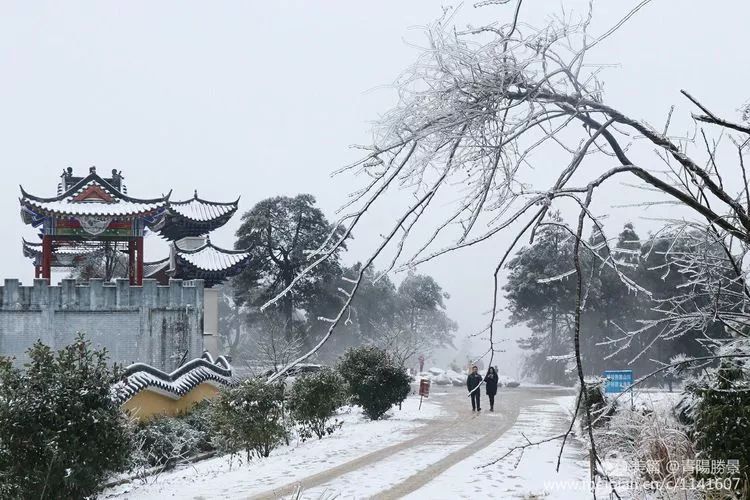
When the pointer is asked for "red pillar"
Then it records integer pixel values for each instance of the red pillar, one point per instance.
(131, 261)
(139, 269)
(47, 257)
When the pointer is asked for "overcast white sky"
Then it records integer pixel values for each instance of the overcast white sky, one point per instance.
(263, 98)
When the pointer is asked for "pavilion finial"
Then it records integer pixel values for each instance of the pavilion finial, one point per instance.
(92, 169)
(196, 194)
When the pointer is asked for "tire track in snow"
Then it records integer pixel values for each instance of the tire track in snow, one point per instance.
(478, 430)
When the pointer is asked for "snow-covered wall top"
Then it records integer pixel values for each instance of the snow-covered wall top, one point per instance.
(98, 295)
(140, 377)
(158, 325)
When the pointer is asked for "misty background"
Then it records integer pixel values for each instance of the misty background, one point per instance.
(257, 99)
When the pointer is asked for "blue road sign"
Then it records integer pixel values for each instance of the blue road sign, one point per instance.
(618, 380)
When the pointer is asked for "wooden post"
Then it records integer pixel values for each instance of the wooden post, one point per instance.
(139, 267)
(47, 257)
(131, 261)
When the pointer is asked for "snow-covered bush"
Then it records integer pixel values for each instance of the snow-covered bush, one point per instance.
(200, 418)
(650, 436)
(721, 426)
(249, 417)
(375, 382)
(166, 441)
(61, 433)
(313, 402)
(597, 401)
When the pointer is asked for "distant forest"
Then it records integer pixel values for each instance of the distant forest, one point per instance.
(620, 322)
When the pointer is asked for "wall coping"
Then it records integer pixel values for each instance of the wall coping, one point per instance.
(99, 295)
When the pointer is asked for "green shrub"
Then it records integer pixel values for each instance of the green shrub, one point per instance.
(200, 418)
(249, 418)
(61, 434)
(313, 402)
(721, 428)
(166, 441)
(375, 382)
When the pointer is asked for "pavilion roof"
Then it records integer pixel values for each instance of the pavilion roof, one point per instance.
(152, 268)
(212, 258)
(66, 254)
(89, 196)
(195, 217)
(207, 262)
(33, 249)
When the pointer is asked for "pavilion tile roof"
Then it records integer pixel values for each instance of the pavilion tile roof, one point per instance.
(199, 210)
(207, 262)
(195, 217)
(91, 196)
(151, 268)
(32, 249)
(211, 258)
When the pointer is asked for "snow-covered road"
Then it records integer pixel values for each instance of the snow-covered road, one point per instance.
(432, 453)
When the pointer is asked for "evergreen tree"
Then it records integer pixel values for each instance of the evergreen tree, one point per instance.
(546, 307)
(280, 233)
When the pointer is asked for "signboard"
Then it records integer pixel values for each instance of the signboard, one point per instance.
(617, 380)
(424, 388)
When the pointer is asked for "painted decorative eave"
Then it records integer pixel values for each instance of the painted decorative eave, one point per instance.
(142, 377)
(31, 249)
(116, 204)
(65, 208)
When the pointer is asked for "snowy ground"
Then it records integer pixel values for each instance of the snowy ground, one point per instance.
(433, 453)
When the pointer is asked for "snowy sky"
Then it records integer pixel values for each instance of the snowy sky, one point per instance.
(263, 98)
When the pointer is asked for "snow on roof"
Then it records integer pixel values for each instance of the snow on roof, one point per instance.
(211, 258)
(92, 196)
(200, 210)
(119, 209)
(140, 376)
(151, 268)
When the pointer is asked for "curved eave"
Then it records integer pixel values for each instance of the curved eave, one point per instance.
(209, 245)
(206, 263)
(188, 270)
(196, 199)
(115, 210)
(33, 250)
(196, 217)
(177, 226)
(83, 183)
(151, 268)
(30, 250)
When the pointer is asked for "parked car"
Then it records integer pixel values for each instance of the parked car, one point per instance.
(504, 380)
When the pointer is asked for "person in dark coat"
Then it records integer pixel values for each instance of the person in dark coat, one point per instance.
(490, 384)
(472, 383)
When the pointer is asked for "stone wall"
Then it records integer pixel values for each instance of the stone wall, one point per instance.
(149, 324)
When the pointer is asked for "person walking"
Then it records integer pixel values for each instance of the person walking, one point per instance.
(472, 383)
(490, 384)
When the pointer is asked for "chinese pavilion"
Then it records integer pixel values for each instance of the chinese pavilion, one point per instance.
(91, 212)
